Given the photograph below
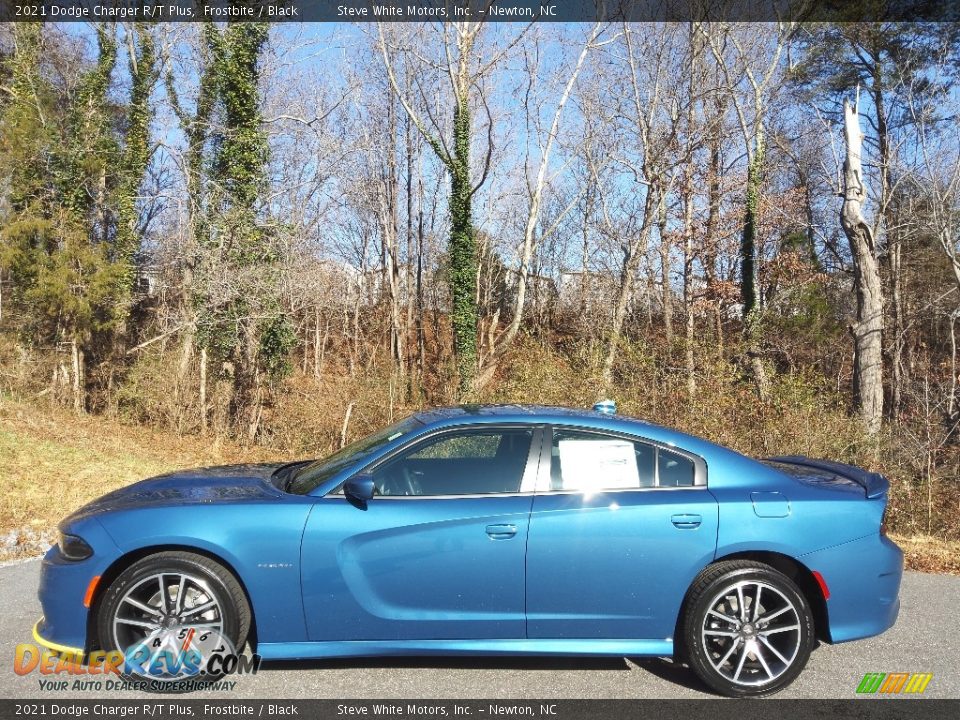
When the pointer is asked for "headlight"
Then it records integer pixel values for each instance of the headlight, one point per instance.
(73, 547)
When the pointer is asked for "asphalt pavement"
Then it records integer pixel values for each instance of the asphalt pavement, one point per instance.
(925, 639)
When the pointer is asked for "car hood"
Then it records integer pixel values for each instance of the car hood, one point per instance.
(222, 484)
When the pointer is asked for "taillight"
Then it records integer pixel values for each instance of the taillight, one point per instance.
(883, 521)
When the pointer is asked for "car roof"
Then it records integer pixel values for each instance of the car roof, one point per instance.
(514, 412)
(459, 415)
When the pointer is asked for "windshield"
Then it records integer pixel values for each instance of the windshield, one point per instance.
(316, 473)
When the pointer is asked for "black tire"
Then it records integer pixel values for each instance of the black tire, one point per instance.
(713, 646)
(232, 609)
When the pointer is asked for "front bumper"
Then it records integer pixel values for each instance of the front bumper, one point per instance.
(63, 589)
(864, 579)
(39, 639)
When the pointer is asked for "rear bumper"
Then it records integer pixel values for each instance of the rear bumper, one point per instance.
(864, 580)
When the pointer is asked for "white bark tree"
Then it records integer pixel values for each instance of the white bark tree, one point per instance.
(867, 329)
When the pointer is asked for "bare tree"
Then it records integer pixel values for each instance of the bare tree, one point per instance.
(936, 186)
(452, 146)
(653, 118)
(868, 328)
(536, 188)
(750, 70)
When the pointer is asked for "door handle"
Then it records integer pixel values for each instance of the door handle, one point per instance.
(501, 532)
(686, 521)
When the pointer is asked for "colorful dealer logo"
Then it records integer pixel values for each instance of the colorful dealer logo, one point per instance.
(170, 657)
(894, 683)
(173, 657)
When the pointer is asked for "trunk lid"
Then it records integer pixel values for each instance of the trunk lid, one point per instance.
(837, 476)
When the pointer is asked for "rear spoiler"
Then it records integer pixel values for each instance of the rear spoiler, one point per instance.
(874, 484)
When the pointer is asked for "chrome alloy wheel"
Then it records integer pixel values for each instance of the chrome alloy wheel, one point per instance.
(751, 633)
(160, 610)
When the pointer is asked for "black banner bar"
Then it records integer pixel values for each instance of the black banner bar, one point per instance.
(476, 10)
(174, 707)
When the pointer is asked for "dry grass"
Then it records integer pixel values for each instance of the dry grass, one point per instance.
(52, 461)
(930, 554)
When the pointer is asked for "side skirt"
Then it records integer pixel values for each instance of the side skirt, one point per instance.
(377, 648)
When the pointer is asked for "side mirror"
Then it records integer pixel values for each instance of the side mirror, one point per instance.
(359, 487)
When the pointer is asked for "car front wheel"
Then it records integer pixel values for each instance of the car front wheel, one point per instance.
(748, 630)
(168, 614)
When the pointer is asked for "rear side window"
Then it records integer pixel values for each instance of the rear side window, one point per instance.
(590, 462)
(674, 470)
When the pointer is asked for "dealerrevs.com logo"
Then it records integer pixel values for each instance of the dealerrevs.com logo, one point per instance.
(894, 683)
(188, 655)
(190, 659)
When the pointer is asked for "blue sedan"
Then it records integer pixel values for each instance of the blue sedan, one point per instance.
(489, 530)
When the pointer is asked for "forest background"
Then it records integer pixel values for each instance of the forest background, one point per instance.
(243, 241)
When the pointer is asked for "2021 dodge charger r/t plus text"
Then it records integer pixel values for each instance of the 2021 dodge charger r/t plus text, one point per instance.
(489, 530)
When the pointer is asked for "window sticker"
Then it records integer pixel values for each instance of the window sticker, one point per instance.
(593, 465)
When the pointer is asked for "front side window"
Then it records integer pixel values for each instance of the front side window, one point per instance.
(592, 462)
(469, 462)
(311, 476)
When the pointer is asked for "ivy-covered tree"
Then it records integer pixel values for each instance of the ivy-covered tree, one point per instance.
(135, 155)
(75, 159)
(455, 156)
(62, 285)
(86, 158)
(28, 120)
(240, 319)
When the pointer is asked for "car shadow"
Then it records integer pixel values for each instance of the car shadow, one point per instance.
(673, 672)
(453, 663)
(663, 668)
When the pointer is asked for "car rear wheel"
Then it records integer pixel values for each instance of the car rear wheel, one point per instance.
(169, 612)
(748, 630)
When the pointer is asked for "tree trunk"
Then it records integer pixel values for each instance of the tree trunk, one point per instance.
(408, 267)
(896, 340)
(666, 292)
(183, 374)
(316, 341)
(79, 383)
(390, 231)
(203, 391)
(868, 328)
(346, 425)
(952, 399)
(689, 360)
(421, 337)
(748, 237)
(748, 266)
(711, 240)
(463, 252)
(633, 252)
(584, 289)
(355, 325)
